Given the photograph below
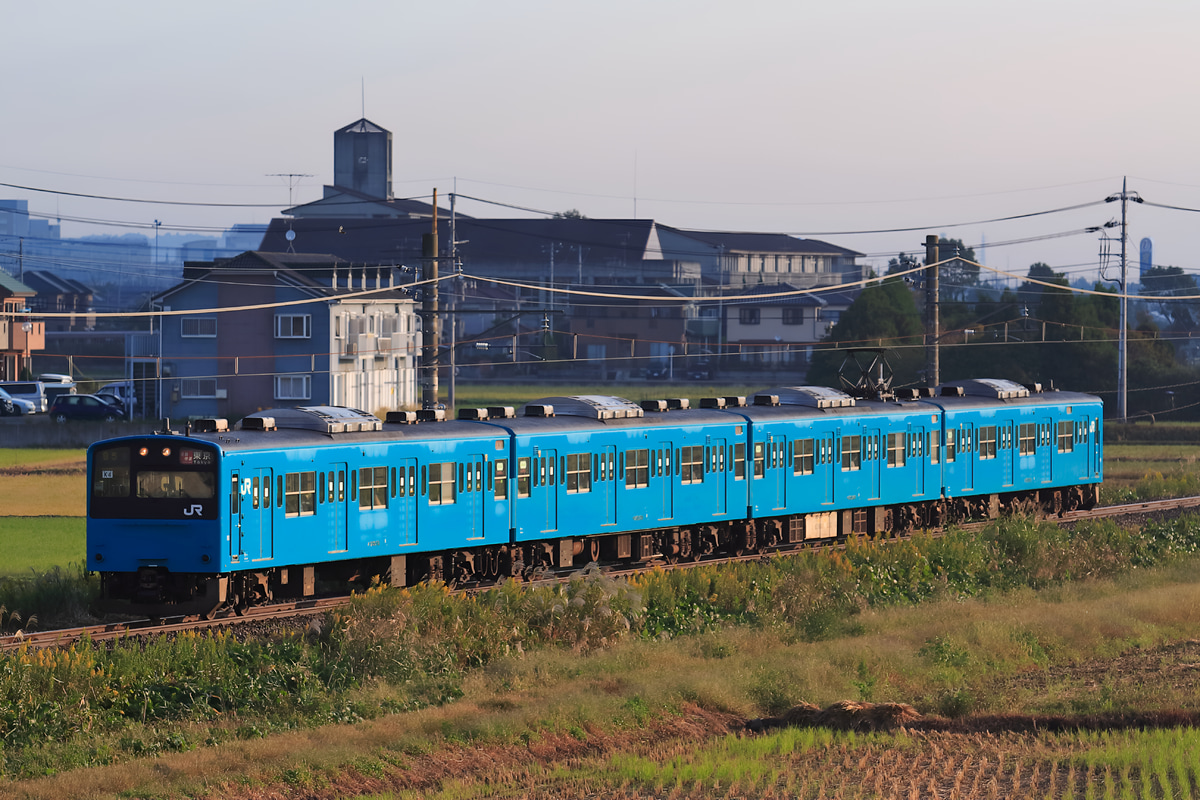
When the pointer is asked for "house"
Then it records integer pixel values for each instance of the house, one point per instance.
(729, 258)
(771, 325)
(57, 295)
(265, 330)
(20, 333)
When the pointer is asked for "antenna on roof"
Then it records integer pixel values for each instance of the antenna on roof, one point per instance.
(364, 96)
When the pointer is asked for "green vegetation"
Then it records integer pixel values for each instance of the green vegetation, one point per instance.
(627, 652)
(35, 457)
(37, 544)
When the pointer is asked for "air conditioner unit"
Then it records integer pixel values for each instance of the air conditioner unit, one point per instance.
(351, 348)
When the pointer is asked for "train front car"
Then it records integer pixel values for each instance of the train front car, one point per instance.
(154, 528)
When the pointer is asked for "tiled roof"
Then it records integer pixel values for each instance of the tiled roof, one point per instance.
(744, 242)
(12, 286)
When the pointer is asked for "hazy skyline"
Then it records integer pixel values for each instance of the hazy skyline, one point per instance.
(804, 118)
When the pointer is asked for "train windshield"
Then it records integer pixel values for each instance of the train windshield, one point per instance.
(154, 479)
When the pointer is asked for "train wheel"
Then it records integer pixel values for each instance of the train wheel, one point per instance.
(593, 549)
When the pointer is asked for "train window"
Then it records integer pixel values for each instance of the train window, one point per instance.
(934, 450)
(1066, 441)
(739, 461)
(721, 458)
(402, 489)
(551, 473)
(372, 488)
(470, 478)
(759, 460)
(895, 450)
(523, 477)
(254, 495)
(658, 462)
(620, 465)
(441, 484)
(111, 474)
(235, 496)
(612, 463)
(266, 486)
(678, 469)
(321, 496)
(1026, 438)
(637, 469)
(394, 481)
(479, 476)
(562, 465)
(851, 453)
(802, 456)
(424, 471)
(579, 476)
(300, 493)
(501, 479)
(353, 484)
(595, 466)
(460, 478)
(341, 485)
(712, 460)
(987, 442)
(693, 467)
(541, 476)
(279, 492)
(950, 446)
(667, 461)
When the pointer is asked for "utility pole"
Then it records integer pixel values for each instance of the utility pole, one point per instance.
(453, 297)
(429, 315)
(1123, 334)
(932, 365)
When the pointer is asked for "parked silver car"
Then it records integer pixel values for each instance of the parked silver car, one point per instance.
(14, 406)
(33, 391)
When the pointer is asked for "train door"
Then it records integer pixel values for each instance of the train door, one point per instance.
(666, 477)
(234, 534)
(606, 475)
(776, 475)
(335, 502)
(916, 446)
(473, 495)
(406, 501)
(253, 539)
(967, 448)
(872, 462)
(548, 484)
(721, 470)
(1048, 439)
(1007, 445)
(828, 457)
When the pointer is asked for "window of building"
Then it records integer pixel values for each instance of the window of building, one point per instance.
(895, 453)
(1066, 437)
(1027, 438)
(851, 453)
(637, 468)
(300, 494)
(793, 316)
(197, 387)
(987, 442)
(579, 473)
(691, 464)
(749, 316)
(802, 457)
(441, 484)
(198, 327)
(372, 488)
(293, 326)
(293, 387)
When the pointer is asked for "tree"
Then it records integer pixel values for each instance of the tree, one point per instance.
(956, 277)
(883, 315)
(1173, 282)
(570, 213)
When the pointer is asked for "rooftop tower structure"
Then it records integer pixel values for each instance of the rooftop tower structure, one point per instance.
(362, 159)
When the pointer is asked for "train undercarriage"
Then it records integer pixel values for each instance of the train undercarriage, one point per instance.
(156, 592)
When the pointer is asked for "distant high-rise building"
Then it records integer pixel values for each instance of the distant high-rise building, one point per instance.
(1146, 261)
(362, 159)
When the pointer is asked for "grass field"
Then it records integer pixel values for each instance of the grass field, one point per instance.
(38, 544)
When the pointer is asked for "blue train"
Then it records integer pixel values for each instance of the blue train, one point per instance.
(295, 498)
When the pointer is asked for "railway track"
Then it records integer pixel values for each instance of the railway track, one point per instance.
(109, 631)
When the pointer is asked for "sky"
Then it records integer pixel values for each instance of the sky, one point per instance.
(820, 119)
